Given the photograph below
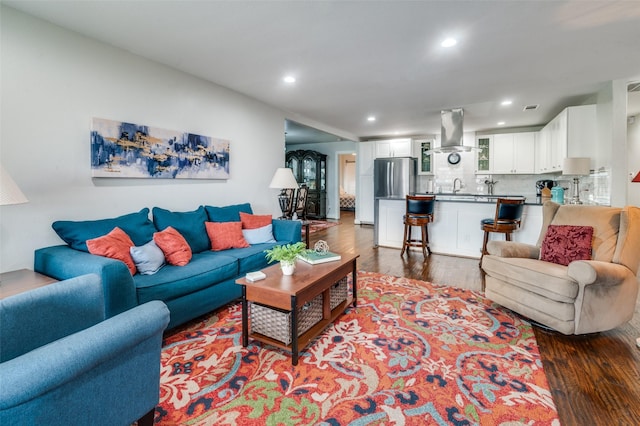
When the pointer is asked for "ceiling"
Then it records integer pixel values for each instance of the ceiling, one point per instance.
(353, 59)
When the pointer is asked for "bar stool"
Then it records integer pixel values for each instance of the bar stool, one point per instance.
(419, 212)
(507, 219)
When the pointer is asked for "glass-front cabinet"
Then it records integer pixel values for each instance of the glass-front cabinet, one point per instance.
(422, 149)
(310, 169)
(483, 163)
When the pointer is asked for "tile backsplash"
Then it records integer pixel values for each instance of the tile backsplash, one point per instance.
(594, 189)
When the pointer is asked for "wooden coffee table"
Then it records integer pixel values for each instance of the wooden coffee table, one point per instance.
(289, 293)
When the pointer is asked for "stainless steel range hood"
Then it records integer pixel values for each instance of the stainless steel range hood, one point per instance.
(451, 131)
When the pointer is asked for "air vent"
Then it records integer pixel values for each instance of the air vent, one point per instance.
(530, 107)
(633, 87)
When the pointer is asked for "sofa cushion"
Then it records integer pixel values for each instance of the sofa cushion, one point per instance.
(253, 221)
(225, 235)
(115, 245)
(565, 243)
(259, 235)
(604, 220)
(189, 224)
(251, 258)
(628, 246)
(550, 281)
(136, 225)
(227, 213)
(148, 258)
(175, 248)
(172, 282)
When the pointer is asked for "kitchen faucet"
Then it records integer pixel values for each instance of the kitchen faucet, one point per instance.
(454, 185)
(490, 183)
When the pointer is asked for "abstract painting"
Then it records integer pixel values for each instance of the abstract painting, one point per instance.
(128, 150)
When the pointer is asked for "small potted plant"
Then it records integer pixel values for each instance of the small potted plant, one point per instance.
(286, 255)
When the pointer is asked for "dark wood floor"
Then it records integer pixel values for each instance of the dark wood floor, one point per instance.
(594, 379)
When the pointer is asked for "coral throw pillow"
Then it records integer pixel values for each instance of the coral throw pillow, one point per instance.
(175, 248)
(115, 245)
(563, 244)
(225, 235)
(253, 221)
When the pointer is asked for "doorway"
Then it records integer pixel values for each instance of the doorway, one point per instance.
(347, 181)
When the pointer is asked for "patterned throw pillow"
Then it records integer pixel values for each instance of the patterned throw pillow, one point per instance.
(175, 248)
(115, 245)
(563, 244)
(225, 235)
(253, 221)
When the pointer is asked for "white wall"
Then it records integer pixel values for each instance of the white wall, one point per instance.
(633, 141)
(54, 81)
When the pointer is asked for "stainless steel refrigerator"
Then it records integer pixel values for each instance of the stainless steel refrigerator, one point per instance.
(394, 177)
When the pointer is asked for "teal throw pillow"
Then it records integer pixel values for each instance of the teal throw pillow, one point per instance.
(227, 213)
(76, 233)
(189, 224)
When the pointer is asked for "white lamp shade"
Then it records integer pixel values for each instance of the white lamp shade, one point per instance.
(577, 166)
(283, 178)
(9, 191)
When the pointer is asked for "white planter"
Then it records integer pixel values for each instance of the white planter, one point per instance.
(287, 267)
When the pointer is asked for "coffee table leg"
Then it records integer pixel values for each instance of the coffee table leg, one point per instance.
(245, 318)
(354, 275)
(294, 331)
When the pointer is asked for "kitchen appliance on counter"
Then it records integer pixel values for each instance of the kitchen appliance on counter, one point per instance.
(394, 177)
(544, 183)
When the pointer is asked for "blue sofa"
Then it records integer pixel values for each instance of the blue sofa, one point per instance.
(206, 283)
(63, 363)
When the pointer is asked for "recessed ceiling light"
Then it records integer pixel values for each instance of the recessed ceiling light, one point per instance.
(501, 123)
(506, 102)
(449, 42)
(371, 118)
(289, 79)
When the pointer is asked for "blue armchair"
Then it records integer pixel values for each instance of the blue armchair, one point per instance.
(62, 363)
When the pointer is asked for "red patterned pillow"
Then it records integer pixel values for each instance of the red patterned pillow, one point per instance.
(116, 245)
(253, 221)
(175, 248)
(563, 244)
(225, 235)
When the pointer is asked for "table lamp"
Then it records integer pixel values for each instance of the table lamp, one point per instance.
(283, 179)
(576, 166)
(9, 191)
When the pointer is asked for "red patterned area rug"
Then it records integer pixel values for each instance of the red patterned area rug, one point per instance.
(411, 353)
(319, 225)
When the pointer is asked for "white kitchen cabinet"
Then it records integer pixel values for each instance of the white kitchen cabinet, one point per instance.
(513, 153)
(393, 148)
(456, 230)
(572, 133)
(422, 151)
(365, 198)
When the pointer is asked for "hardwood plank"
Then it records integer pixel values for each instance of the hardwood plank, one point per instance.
(594, 379)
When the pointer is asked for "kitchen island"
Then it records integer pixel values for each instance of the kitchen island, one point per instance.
(456, 229)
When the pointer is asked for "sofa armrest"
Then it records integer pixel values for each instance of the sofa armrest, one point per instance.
(287, 230)
(589, 272)
(62, 262)
(83, 354)
(513, 249)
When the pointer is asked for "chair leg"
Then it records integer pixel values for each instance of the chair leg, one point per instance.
(147, 419)
(404, 240)
(508, 236)
(484, 246)
(426, 232)
(423, 232)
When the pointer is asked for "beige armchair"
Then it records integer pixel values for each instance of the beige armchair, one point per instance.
(586, 296)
